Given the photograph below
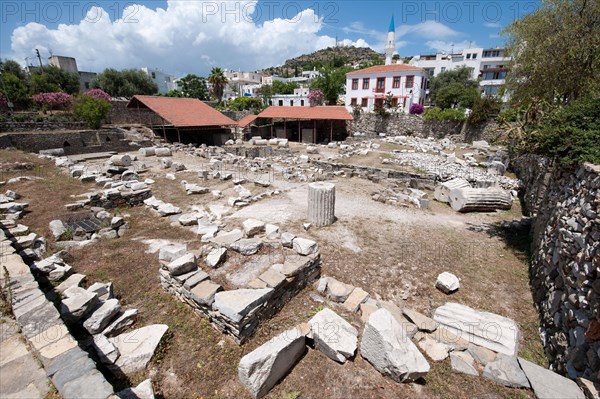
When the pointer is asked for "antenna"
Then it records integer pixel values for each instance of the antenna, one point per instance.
(39, 59)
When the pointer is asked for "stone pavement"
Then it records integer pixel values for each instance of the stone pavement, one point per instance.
(21, 374)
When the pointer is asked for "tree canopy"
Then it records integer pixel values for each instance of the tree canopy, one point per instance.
(194, 86)
(455, 87)
(279, 87)
(125, 83)
(331, 82)
(218, 81)
(556, 52)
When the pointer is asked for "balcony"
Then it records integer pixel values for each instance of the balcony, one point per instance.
(379, 90)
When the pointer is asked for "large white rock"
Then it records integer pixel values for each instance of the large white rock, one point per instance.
(144, 390)
(547, 384)
(386, 346)
(235, 304)
(168, 209)
(137, 347)
(78, 304)
(262, 368)
(58, 229)
(253, 227)
(183, 264)
(102, 316)
(333, 335)
(304, 246)
(247, 246)
(105, 349)
(505, 370)
(216, 256)
(121, 322)
(171, 252)
(447, 283)
(489, 330)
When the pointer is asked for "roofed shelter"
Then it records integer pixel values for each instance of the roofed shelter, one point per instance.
(303, 124)
(183, 120)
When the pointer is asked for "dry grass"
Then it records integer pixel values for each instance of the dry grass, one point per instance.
(197, 361)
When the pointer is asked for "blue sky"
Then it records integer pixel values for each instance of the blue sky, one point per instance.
(192, 36)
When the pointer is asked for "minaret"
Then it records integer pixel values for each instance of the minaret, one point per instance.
(390, 46)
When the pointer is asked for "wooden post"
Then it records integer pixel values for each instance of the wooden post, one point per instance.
(299, 132)
(314, 131)
(331, 131)
(272, 123)
(178, 136)
(284, 128)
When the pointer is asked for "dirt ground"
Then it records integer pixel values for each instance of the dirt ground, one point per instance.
(391, 252)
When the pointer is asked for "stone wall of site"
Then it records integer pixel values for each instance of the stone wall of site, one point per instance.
(371, 125)
(79, 142)
(565, 261)
(299, 271)
(40, 126)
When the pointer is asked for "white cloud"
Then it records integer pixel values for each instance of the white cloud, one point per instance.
(492, 25)
(186, 37)
(427, 30)
(442, 45)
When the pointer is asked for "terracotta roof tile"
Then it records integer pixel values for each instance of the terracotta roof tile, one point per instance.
(246, 120)
(387, 68)
(183, 112)
(317, 112)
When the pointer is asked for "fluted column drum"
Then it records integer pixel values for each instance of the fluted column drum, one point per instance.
(321, 204)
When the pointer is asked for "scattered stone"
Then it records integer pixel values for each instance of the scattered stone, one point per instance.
(437, 351)
(447, 283)
(422, 322)
(385, 345)
(482, 355)
(188, 219)
(162, 152)
(356, 298)
(168, 209)
(117, 222)
(204, 293)
(311, 149)
(228, 238)
(489, 330)
(333, 335)
(216, 256)
(253, 227)
(247, 246)
(102, 316)
(287, 239)
(262, 368)
(183, 264)
(170, 252)
(338, 291)
(195, 279)
(144, 390)
(121, 322)
(505, 370)
(73, 281)
(304, 246)
(235, 304)
(79, 304)
(105, 349)
(137, 347)
(462, 362)
(272, 231)
(547, 384)
(58, 229)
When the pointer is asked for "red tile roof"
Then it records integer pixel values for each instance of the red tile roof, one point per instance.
(317, 112)
(182, 112)
(387, 68)
(246, 120)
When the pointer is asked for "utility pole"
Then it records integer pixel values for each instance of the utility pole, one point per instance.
(39, 59)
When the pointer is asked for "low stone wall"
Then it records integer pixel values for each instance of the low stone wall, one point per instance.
(264, 298)
(374, 174)
(75, 142)
(565, 262)
(121, 115)
(31, 126)
(236, 115)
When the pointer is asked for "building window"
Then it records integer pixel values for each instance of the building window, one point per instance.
(410, 81)
(468, 56)
(354, 84)
(87, 85)
(379, 102)
(364, 102)
(353, 101)
(153, 75)
(491, 53)
(443, 69)
(394, 102)
(366, 84)
(281, 103)
(396, 82)
(302, 103)
(474, 56)
(291, 103)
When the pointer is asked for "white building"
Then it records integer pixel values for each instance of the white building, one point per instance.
(402, 84)
(164, 81)
(298, 99)
(488, 65)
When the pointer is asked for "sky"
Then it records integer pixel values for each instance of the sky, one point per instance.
(193, 36)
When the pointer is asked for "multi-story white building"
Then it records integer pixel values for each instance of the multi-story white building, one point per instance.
(164, 81)
(487, 64)
(298, 99)
(401, 84)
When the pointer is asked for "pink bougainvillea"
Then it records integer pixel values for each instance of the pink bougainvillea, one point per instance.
(416, 109)
(53, 100)
(99, 94)
(316, 97)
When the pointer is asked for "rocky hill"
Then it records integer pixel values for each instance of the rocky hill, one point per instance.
(337, 56)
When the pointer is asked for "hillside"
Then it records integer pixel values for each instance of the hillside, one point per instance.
(338, 56)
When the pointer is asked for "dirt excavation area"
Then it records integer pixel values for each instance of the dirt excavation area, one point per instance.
(240, 215)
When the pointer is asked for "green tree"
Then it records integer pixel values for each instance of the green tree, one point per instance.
(556, 53)
(280, 87)
(53, 79)
(245, 103)
(266, 93)
(218, 81)
(194, 86)
(125, 83)
(12, 66)
(14, 89)
(91, 110)
(174, 93)
(455, 86)
(331, 82)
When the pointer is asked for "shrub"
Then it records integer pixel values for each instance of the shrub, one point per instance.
(571, 134)
(484, 108)
(54, 100)
(316, 97)
(245, 103)
(91, 110)
(381, 111)
(416, 109)
(3, 101)
(448, 114)
(357, 110)
(99, 94)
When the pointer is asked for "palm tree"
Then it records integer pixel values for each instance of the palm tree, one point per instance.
(218, 81)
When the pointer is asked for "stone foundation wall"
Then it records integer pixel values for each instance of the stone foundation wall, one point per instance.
(565, 263)
(299, 271)
(35, 126)
(77, 142)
